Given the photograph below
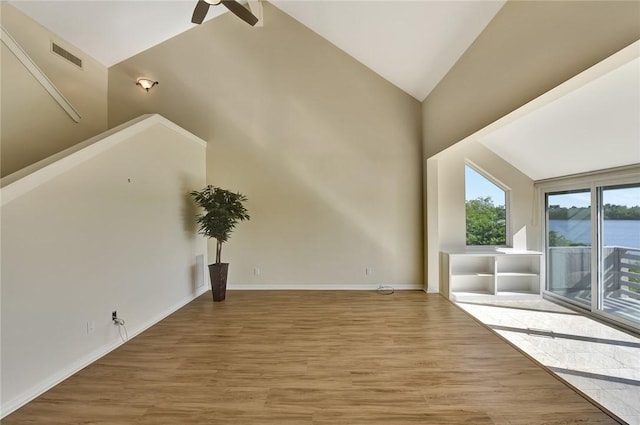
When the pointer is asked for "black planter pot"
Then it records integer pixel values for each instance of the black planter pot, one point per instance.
(218, 274)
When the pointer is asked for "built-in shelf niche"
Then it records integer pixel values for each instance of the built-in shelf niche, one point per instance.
(496, 273)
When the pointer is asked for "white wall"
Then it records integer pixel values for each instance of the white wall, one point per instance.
(114, 231)
(446, 202)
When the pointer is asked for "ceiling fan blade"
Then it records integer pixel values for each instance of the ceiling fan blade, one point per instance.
(200, 12)
(240, 11)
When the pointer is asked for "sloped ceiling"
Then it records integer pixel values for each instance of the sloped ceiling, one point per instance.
(592, 128)
(112, 31)
(412, 44)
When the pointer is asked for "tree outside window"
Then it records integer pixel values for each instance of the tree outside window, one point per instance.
(486, 214)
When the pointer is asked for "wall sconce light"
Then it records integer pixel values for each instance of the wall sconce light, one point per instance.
(145, 83)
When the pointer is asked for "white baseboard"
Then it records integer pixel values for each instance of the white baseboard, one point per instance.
(319, 287)
(91, 357)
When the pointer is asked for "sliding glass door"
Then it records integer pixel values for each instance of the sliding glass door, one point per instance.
(593, 248)
(569, 245)
(619, 251)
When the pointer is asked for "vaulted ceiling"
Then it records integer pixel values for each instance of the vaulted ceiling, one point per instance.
(412, 44)
(593, 127)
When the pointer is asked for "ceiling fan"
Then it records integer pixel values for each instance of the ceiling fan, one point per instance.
(202, 7)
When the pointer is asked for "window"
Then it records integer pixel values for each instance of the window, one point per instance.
(593, 244)
(486, 210)
(619, 251)
(568, 227)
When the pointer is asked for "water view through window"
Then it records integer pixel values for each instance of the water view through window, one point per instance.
(569, 245)
(569, 249)
(619, 291)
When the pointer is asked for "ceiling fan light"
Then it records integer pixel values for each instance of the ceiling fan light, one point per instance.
(146, 83)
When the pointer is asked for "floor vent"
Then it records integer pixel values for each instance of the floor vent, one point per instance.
(66, 55)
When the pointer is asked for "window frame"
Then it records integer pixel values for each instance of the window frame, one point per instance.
(594, 181)
(507, 207)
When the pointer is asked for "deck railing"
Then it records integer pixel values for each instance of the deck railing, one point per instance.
(569, 269)
(629, 272)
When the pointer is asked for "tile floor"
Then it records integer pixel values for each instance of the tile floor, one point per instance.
(598, 360)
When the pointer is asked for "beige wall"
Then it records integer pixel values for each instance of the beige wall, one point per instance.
(446, 201)
(33, 126)
(328, 153)
(526, 50)
(452, 196)
(529, 48)
(118, 234)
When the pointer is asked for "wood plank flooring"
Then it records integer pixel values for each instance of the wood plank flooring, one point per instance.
(317, 358)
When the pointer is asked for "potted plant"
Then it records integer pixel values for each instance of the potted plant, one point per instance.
(223, 209)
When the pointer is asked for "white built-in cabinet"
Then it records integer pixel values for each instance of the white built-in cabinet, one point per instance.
(473, 275)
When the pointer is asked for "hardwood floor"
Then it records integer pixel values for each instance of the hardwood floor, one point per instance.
(309, 357)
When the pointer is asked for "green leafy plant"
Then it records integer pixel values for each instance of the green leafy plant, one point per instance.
(486, 222)
(223, 210)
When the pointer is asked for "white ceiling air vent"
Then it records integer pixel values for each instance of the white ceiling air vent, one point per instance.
(66, 55)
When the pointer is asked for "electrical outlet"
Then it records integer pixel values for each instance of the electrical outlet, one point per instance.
(368, 271)
(256, 271)
(114, 315)
(91, 326)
